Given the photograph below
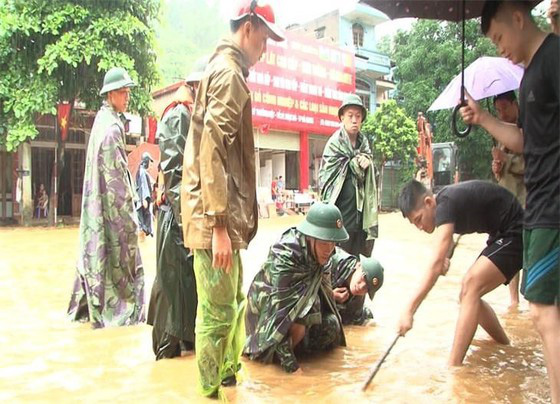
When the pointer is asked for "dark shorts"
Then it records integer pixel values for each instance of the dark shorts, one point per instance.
(506, 253)
(541, 263)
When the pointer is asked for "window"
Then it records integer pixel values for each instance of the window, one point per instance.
(358, 33)
(320, 33)
(363, 89)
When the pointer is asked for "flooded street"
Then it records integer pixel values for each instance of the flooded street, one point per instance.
(47, 358)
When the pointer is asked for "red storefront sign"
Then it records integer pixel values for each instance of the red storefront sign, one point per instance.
(299, 84)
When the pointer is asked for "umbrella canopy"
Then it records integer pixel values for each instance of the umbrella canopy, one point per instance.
(447, 10)
(135, 158)
(485, 77)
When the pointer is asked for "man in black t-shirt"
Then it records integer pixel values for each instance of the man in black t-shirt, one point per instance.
(537, 134)
(468, 207)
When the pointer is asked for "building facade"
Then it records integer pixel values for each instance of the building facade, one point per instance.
(297, 87)
(42, 160)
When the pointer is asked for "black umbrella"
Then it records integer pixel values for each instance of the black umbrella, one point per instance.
(448, 10)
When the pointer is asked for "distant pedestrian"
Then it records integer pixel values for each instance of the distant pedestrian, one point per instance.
(144, 189)
(274, 188)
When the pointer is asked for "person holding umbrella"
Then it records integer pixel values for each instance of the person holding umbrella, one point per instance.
(511, 28)
(508, 168)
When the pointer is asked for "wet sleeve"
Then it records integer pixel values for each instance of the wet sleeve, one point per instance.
(514, 164)
(172, 139)
(227, 96)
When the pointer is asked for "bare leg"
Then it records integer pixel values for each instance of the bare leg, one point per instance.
(547, 322)
(481, 278)
(489, 321)
(514, 292)
(297, 332)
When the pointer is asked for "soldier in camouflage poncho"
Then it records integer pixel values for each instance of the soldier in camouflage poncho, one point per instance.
(173, 301)
(109, 286)
(347, 180)
(290, 302)
(351, 279)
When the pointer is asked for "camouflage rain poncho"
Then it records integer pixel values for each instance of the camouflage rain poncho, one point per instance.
(290, 287)
(173, 301)
(109, 286)
(352, 311)
(338, 158)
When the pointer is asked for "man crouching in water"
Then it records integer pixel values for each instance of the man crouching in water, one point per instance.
(291, 307)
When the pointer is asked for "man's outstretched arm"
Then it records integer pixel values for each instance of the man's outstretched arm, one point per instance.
(438, 265)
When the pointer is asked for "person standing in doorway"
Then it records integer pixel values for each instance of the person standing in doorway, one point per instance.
(280, 185)
(348, 181)
(109, 285)
(218, 196)
(274, 188)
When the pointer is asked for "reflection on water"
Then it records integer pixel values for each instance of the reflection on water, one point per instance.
(44, 357)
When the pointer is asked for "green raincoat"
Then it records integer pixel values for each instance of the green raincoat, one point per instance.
(173, 301)
(109, 286)
(290, 287)
(339, 157)
(352, 311)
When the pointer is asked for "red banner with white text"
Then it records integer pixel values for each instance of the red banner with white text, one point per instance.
(299, 84)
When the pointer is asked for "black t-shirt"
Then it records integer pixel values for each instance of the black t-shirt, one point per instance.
(479, 207)
(539, 105)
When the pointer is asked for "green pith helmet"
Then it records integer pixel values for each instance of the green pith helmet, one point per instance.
(197, 71)
(355, 100)
(374, 274)
(324, 222)
(116, 78)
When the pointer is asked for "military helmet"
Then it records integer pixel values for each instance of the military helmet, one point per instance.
(324, 222)
(374, 274)
(116, 78)
(355, 100)
(197, 71)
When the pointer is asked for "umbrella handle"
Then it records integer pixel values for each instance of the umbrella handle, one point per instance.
(458, 133)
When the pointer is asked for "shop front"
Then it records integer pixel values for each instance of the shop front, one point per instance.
(296, 90)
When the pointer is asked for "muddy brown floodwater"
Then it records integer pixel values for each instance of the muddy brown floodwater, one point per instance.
(46, 358)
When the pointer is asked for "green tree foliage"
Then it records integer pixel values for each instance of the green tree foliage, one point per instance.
(189, 29)
(392, 136)
(427, 58)
(59, 50)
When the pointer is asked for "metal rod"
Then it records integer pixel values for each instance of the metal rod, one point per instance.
(379, 363)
